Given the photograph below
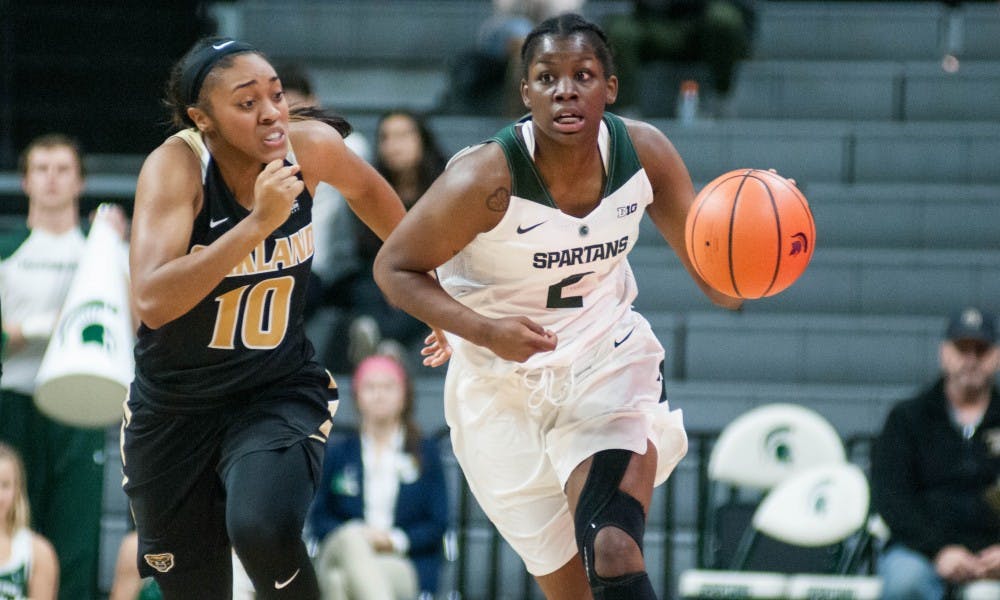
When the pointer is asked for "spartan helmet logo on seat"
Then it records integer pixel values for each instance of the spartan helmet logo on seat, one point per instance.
(161, 562)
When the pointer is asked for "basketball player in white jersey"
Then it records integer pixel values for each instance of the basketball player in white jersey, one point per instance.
(554, 392)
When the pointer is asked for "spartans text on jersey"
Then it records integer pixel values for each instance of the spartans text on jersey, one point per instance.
(580, 255)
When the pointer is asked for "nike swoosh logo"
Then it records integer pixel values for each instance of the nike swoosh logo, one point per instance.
(215, 223)
(278, 585)
(529, 228)
(222, 45)
(627, 336)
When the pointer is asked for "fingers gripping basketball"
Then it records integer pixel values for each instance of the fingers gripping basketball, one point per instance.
(750, 233)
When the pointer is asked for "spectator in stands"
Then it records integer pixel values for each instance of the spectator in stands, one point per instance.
(936, 470)
(382, 506)
(127, 584)
(492, 69)
(29, 567)
(716, 32)
(36, 268)
(555, 397)
(408, 156)
(335, 259)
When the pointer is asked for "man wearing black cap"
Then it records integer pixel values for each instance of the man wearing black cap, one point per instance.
(936, 470)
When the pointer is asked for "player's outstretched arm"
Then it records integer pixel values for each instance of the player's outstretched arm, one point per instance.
(324, 157)
(673, 194)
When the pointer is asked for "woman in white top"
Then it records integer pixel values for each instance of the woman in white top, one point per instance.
(28, 564)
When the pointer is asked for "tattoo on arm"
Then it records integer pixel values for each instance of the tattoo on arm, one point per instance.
(498, 200)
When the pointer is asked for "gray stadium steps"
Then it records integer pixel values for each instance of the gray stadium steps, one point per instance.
(852, 409)
(896, 215)
(809, 151)
(854, 30)
(434, 30)
(916, 215)
(841, 151)
(874, 30)
(369, 31)
(376, 89)
(867, 90)
(872, 90)
(810, 348)
(849, 281)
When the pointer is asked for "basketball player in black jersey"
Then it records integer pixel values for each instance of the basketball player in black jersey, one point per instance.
(228, 413)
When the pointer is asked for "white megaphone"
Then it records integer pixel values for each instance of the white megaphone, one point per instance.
(88, 364)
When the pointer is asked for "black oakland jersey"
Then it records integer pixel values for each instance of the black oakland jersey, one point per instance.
(249, 331)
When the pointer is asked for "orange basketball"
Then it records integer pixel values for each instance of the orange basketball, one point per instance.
(750, 233)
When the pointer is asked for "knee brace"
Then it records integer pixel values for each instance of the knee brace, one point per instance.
(634, 586)
(602, 505)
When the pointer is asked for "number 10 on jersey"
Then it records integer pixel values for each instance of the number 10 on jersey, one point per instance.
(265, 308)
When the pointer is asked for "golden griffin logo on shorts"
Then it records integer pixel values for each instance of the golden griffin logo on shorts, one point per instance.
(161, 562)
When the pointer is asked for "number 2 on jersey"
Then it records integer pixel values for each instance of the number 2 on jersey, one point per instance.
(556, 298)
(265, 309)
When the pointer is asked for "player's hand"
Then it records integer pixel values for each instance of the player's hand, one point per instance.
(115, 216)
(15, 337)
(727, 302)
(436, 350)
(788, 179)
(956, 564)
(274, 193)
(379, 539)
(989, 559)
(519, 338)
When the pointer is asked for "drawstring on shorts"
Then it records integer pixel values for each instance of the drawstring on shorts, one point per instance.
(543, 383)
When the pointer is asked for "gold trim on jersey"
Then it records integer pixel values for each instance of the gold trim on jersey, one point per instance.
(126, 419)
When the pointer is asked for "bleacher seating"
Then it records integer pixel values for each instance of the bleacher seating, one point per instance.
(811, 348)
(874, 281)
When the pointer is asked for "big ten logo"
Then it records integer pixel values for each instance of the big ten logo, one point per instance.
(624, 211)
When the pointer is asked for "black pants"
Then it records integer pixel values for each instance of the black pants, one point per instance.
(203, 485)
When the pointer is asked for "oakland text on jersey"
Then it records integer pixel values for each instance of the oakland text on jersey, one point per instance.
(287, 252)
(580, 255)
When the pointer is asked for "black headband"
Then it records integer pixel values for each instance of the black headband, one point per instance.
(199, 64)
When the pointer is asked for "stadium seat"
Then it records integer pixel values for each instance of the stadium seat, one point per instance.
(822, 506)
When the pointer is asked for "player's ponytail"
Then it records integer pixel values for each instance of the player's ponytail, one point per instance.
(306, 113)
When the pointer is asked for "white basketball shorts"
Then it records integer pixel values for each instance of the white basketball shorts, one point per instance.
(518, 437)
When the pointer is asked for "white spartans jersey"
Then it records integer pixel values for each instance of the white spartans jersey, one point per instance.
(34, 282)
(568, 274)
(14, 574)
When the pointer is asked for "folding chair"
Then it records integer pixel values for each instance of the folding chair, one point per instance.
(753, 454)
(823, 506)
(986, 589)
(820, 506)
(765, 445)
